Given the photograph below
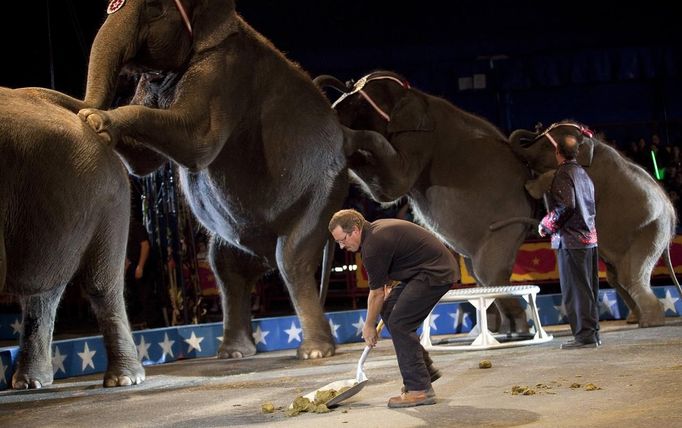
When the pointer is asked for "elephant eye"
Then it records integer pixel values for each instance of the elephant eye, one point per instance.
(154, 9)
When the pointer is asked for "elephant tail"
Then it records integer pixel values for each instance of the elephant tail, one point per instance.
(513, 220)
(671, 270)
(327, 259)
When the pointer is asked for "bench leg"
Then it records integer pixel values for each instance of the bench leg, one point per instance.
(535, 315)
(426, 332)
(485, 338)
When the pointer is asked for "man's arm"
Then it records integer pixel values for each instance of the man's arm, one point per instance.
(375, 301)
(144, 255)
(563, 194)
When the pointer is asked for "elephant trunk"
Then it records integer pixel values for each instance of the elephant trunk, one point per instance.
(114, 45)
(519, 141)
(324, 80)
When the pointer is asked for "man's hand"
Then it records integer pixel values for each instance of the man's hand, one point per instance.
(369, 333)
(139, 272)
(541, 230)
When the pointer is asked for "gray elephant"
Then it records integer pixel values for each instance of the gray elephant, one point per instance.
(259, 149)
(635, 218)
(456, 169)
(64, 209)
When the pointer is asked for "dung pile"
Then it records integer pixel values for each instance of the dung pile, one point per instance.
(318, 405)
(484, 364)
(542, 388)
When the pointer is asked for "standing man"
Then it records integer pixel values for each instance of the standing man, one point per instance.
(139, 288)
(571, 224)
(397, 250)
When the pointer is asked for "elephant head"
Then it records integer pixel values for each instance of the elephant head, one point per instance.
(381, 101)
(155, 35)
(538, 149)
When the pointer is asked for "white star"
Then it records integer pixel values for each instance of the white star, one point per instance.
(259, 336)
(86, 356)
(334, 327)
(194, 342)
(143, 349)
(669, 302)
(561, 309)
(432, 321)
(17, 326)
(359, 326)
(166, 346)
(3, 369)
(293, 332)
(58, 361)
(456, 318)
(607, 305)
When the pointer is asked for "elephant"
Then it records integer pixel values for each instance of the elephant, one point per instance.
(260, 151)
(631, 240)
(457, 171)
(64, 210)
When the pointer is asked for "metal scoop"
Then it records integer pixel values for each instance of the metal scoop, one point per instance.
(354, 385)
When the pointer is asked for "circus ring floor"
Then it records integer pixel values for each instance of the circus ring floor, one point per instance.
(638, 373)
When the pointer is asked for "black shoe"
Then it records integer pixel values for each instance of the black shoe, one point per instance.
(574, 344)
(435, 374)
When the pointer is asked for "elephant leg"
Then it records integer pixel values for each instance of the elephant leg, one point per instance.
(496, 321)
(102, 280)
(383, 171)
(236, 274)
(298, 256)
(3, 261)
(34, 368)
(493, 264)
(612, 279)
(634, 273)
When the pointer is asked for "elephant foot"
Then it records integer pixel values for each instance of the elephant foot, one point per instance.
(124, 376)
(98, 121)
(311, 349)
(509, 326)
(22, 381)
(632, 318)
(32, 376)
(651, 320)
(236, 349)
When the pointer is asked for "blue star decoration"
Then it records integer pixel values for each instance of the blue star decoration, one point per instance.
(87, 355)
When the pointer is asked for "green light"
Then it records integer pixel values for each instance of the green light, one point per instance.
(658, 173)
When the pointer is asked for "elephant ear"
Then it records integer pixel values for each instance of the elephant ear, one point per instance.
(411, 113)
(586, 152)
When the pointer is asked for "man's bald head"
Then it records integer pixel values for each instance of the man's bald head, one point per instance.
(568, 147)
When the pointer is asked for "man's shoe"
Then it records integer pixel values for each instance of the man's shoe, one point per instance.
(413, 398)
(434, 373)
(574, 344)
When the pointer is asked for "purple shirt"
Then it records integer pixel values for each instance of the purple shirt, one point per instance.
(571, 219)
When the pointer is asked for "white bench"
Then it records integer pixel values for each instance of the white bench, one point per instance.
(481, 298)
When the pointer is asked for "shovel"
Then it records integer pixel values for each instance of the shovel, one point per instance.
(354, 385)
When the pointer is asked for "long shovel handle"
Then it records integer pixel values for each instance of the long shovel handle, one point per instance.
(360, 372)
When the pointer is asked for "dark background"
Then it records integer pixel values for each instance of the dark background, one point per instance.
(615, 66)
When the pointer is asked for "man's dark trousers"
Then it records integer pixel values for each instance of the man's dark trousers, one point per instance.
(403, 312)
(579, 278)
